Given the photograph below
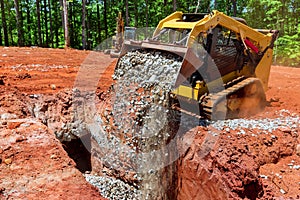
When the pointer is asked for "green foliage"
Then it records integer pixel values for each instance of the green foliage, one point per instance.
(289, 50)
(283, 15)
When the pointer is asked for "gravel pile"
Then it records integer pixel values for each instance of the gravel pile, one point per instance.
(111, 188)
(286, 122)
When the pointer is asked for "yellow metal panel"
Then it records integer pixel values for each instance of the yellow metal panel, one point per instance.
(263, 68)
(195, 93)
(187, 92)
(174, 16)
(176, 24)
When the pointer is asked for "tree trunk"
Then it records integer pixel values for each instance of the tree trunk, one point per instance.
(127, 13)
(83, 24)
(174, 5)
(215, 4)
(136, 15)
(71, 25)
(57, 22)
(19, 24)
(105, 22)
(283, 15)
(50, 21)
(28, 22)
(4, 25)
(11, 37)
(75, 33)
(234, 7)
(88, 28)
(147, 17)
(46, 23)
(198, 5)
(98, 25)
(147, 11)
(66, 24)
(38, 14)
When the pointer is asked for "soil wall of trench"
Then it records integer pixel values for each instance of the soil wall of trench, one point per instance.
(229, 169)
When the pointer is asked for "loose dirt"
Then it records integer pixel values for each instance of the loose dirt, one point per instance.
(33, 163)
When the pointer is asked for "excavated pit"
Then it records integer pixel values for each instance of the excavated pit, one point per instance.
(237, 162)
(231, 169)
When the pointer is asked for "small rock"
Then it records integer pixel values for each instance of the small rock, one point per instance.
(298, 150)
(282, 191)
(53, 87)
(53, 156)
(34, 96)
(286, 129)
(296, 167)
(20, 139)
(6, 116)
(263, 176)
(23, 76)
(8, 161)
(13, 124)
(274, 99)
(2, 82)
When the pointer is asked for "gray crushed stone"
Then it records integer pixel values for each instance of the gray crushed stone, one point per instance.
(112, 188)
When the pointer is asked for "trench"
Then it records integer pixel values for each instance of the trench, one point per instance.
(60, 105)
(80, 153)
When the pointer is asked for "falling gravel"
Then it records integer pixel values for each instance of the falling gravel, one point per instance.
(139, 123)
(112, 188)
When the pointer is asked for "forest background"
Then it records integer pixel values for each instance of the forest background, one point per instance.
(89, 22)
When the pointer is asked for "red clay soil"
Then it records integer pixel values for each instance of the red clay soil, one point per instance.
(33, 168)
(284, 90)
(33, 163)
(46, 71)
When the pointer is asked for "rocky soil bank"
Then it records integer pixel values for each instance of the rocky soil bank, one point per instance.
(254, 158)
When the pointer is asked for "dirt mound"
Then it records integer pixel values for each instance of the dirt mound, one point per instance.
(35, 166)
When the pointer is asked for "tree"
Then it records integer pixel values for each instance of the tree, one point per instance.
(105, 21)
(98, 24)
(46, 23)
(38, 14)
(50, 21)
(84, 24)
(234, 7)
(19, 23)
(174, 5)
(66, 24)
(28, 21)
(127, 13)
(4, 25)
